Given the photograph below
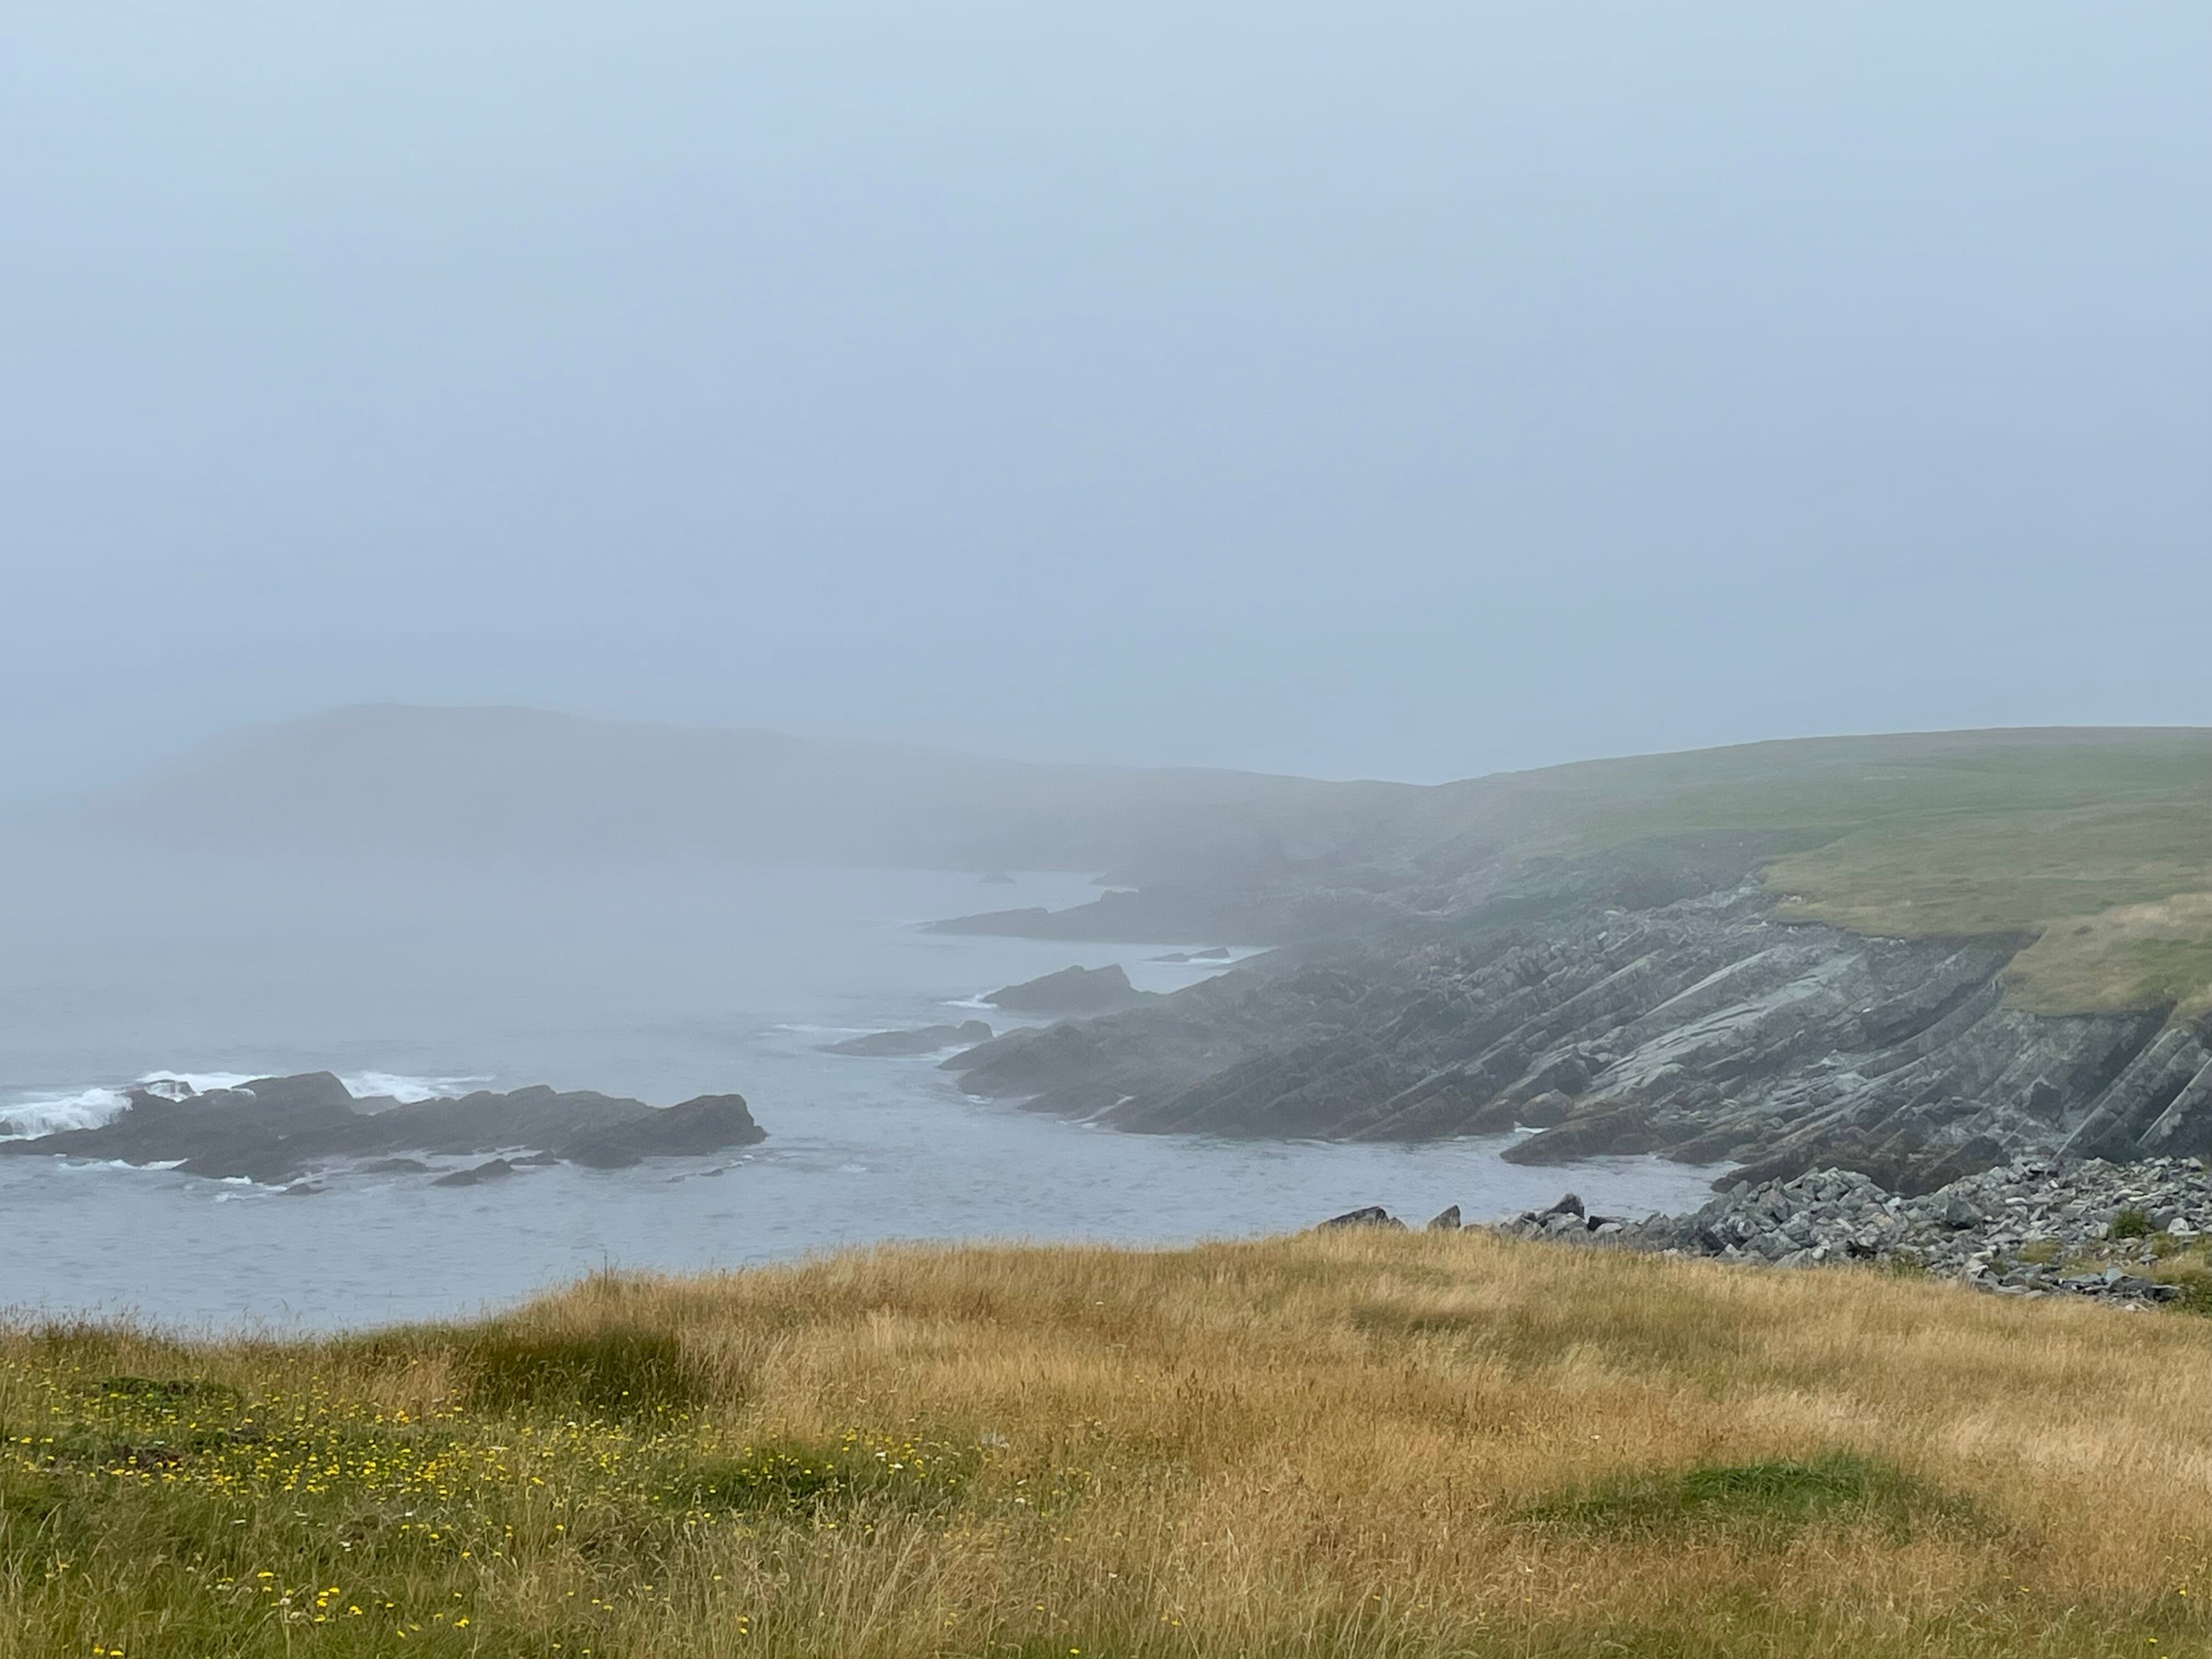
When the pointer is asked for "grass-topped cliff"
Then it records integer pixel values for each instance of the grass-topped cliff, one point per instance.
(2096, 842)
(1332, 1446)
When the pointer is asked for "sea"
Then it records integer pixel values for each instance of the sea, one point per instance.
(661, 981)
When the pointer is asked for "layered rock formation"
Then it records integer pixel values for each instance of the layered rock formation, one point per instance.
(1694, 1025)
(275, 1130)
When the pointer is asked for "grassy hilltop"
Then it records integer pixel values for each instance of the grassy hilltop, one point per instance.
(2096, 842)
(1332, 1446)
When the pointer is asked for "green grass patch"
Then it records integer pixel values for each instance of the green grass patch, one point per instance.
(168, 1391)
(2129, 1224)
(621, 1377)
(1771, 1500)
(794, 1479)
(2189, 1268)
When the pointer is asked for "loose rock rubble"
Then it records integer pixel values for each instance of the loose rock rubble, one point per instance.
(2132, 1234)
(2032, 1227)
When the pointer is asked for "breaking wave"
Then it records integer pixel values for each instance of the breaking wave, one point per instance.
(50, 1113)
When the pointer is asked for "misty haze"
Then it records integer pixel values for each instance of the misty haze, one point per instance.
(1187, 832)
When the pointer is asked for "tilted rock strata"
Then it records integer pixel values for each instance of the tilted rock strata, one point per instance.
(1699, 1028)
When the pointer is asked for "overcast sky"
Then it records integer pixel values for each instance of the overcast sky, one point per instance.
(1394, 390)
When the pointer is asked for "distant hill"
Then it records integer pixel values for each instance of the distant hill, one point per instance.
(2106, 830)
(508, 781)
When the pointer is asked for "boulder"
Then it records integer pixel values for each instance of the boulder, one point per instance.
(1960, 1212)
(1545, 1111)
(1371, 1215)
(1445, 1221)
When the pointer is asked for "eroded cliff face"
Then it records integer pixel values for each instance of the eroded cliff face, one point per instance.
(1700, 1027)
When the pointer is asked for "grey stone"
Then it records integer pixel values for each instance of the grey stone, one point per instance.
(1371, 1215)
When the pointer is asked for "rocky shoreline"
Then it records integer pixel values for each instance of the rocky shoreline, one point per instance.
(1614, 1012)
(2131, 1234)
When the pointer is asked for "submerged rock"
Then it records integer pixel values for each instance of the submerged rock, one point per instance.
(498, 1170)
(921, 1040)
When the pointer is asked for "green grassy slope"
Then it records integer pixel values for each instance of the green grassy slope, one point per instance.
(2099, 841)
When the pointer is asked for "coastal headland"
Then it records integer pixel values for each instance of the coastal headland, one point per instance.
(1914, 957)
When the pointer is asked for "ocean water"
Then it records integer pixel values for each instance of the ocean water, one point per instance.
(660, 982)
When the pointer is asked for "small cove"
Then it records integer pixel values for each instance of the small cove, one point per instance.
(660, 982)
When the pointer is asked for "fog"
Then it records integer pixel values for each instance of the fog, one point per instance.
(1403, 391)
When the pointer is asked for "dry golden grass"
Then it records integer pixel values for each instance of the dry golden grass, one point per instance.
(1348, 1444)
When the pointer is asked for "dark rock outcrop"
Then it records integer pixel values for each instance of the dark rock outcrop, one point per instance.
(711, 1123)
(1073, 992)
(275, 1129)
(921, 1040)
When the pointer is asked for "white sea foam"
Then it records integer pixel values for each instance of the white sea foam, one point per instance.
(49, 1114)
(408, 1089)
(177, 1084)
(89, 1109)
(361, 1085)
